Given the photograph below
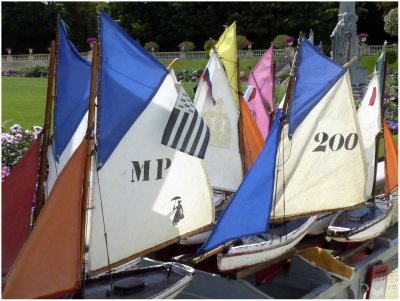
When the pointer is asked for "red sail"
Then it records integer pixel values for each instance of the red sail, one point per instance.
(17, 194)
(49, 264)
(391, 161)
(253, 141)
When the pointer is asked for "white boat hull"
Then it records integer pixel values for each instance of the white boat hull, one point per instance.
(321, 224)
(353, 231)
(259, 249)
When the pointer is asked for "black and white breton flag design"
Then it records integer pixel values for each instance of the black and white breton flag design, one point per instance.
(186, 130)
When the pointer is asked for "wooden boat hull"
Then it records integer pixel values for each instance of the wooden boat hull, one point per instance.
(263, 248)
(362, 224)
(321, 224)
(160, 281)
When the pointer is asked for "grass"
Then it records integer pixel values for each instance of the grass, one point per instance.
(23, 101)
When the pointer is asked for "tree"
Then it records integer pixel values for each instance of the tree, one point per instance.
(391, 22)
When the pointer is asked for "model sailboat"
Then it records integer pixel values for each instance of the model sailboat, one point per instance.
(371, 221)
(140, 186)
(310, 164)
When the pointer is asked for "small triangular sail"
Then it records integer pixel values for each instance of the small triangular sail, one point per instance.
(71, 106)
(261, 79)
(391, 161)
(150, 194)
(17, 191)
(220, 111)
(370, 120)
(253, 141)
(55, 238)
(227, 50)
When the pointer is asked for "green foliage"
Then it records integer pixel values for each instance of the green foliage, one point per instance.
(241, 42)
(207, 45)
(280, 41)
(35, 71)
(151, 46)
(391, 22)
(186, 46)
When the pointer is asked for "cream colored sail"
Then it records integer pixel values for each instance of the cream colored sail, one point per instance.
(215, 103)
(369, 117)
(149, 193)
(322, 168)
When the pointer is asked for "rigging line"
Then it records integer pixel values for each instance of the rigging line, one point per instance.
(283, 179)
(104, 223)
(99, 95)
(288, 157)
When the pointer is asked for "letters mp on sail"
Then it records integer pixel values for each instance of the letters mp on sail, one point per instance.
(186, 130)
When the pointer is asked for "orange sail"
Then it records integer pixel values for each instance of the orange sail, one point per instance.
(49, 264)
(253, 141)
(17, 194)
(391, 161)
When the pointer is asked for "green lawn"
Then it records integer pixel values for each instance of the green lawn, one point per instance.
(23, 101)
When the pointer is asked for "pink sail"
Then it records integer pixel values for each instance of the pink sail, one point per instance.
(261, 101)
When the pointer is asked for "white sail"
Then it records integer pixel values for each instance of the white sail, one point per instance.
(369, 117)
(144, 185)
(222, 159)
(56, 167)
(322, 167)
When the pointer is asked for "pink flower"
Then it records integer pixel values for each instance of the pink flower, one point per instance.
(5, 172)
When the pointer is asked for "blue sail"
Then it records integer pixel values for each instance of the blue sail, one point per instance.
(129, 78)
(73, 89)
(248, 213)
(315, 77)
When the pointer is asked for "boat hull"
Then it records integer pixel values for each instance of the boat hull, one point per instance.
(264, 248)
(372, 222)
(161, 281)
(321, 224)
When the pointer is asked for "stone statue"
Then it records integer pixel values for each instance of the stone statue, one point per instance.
(341, 38)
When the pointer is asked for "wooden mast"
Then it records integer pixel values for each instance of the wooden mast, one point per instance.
(292, 78)
(46, 129)
(88, 163)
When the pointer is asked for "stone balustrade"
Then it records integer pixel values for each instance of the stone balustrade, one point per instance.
(27, 60)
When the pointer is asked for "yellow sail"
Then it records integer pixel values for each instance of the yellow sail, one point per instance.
(227, 51)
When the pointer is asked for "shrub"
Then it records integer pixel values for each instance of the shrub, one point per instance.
(151, 46)
(186, 46)
(391, 56)
(35, 71)
(391, 22)
(241, 42)
(9, 72)
(189, 75)
(280, 41)
(14, 144)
